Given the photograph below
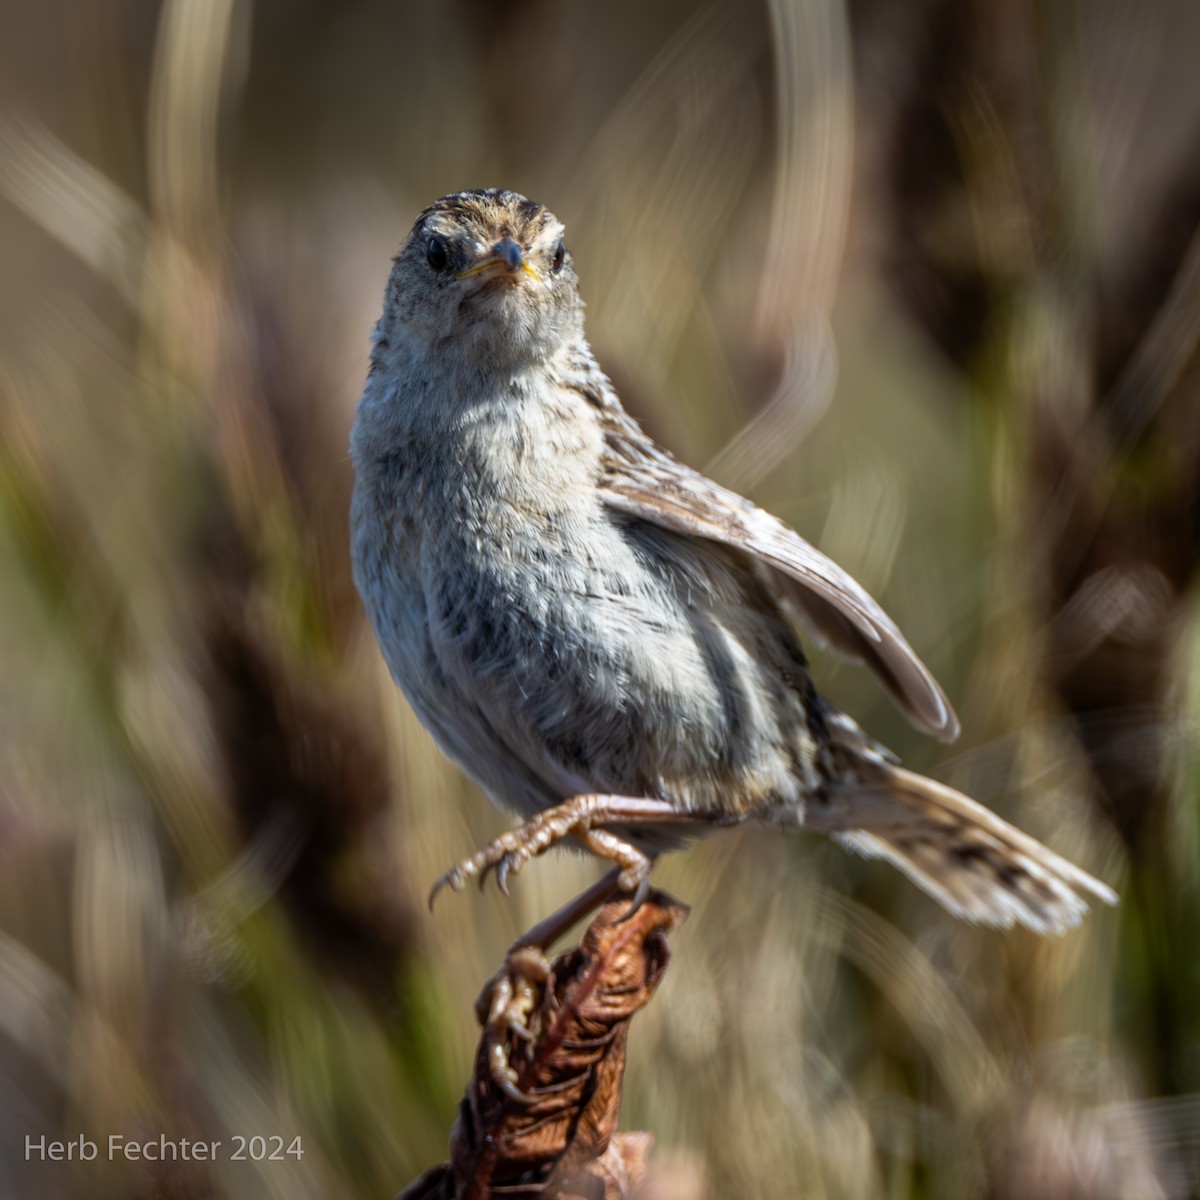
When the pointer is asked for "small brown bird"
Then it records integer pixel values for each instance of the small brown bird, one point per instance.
(601, 636)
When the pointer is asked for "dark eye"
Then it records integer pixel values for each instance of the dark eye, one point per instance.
(436, 253)
(560, 257)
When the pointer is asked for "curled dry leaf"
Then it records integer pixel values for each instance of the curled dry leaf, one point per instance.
(569, 1064)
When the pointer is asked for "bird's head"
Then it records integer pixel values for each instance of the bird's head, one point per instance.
(484, 275)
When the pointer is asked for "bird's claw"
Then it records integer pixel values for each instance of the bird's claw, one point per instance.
(507, 864)
(637, 881)
(581, 818)
(510, 864)
(505, 1008)
(454, 879)
(502, 869)
(500, 856)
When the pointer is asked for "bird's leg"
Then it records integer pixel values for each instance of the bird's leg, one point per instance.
(513, 994)
(582, 818)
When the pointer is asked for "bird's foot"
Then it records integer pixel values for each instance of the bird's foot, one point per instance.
(505, 1009)
(581, 818)
(513, 995)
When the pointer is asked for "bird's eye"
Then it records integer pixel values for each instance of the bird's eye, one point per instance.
(436, 253)
(560, 257)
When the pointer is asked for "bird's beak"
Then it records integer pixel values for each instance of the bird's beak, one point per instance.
(507, 256)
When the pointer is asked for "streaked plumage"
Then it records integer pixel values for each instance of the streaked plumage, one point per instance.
(572, 612)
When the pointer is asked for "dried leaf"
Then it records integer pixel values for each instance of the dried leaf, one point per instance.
(563, 1143)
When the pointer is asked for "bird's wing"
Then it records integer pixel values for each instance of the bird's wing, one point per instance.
(641, 479)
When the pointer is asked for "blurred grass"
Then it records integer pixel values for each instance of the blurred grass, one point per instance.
(881, 268)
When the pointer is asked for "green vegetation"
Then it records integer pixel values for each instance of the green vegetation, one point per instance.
(218, 823)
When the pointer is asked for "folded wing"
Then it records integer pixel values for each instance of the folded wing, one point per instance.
(641, 479)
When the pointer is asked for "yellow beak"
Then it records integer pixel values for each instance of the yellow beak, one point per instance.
(507, 256)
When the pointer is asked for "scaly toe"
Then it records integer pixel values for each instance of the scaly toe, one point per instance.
(506, 1007)
(504, 1076)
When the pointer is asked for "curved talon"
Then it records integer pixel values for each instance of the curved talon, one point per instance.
(518, 1028)
(504, 1076)
(505, 1008)
(452, 879)
(640, 891)
(583, 818)
(514, 1093)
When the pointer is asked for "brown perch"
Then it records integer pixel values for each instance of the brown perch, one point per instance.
(566, 1056)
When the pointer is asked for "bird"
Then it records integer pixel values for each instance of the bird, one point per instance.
(607, 641)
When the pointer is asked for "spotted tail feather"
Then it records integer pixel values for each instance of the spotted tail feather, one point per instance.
(979, 867)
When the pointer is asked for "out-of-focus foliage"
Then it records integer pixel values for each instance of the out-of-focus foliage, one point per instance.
(923, 278)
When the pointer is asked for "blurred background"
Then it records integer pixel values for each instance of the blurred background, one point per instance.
(924, 279)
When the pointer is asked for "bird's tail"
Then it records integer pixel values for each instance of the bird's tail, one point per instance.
(980, 867)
